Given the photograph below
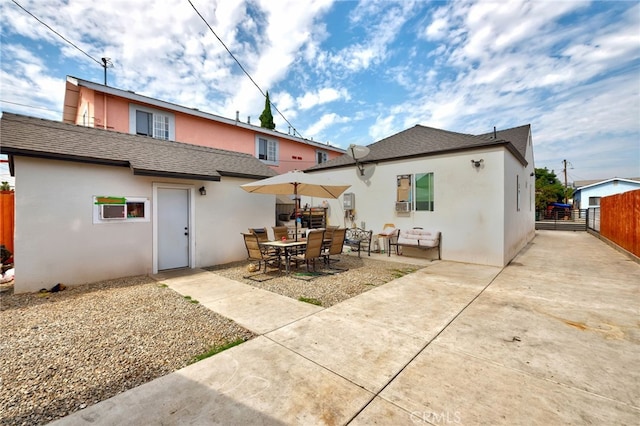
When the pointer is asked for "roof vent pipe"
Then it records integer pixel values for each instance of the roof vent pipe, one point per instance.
(237, 116)
(248, 119)
(495, 135)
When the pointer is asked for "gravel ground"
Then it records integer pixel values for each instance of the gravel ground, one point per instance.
(325, 289)
(61, 352)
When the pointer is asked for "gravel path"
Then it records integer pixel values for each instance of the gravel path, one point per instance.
(61, 352)
(362, 275)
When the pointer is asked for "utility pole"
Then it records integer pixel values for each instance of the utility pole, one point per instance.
(564, 170)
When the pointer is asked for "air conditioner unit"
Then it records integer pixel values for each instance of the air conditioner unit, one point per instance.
(113, 211)
(403, 206)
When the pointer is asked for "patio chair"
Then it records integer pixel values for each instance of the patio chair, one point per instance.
(388, 233)
(313, 249)
(256, 254)
(280, 232)
(328, 235)
(262, 235)
(335, 247)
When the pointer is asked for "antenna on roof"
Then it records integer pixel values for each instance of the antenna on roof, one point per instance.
(106, 63)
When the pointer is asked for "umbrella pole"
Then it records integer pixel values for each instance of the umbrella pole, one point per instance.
(295, 200)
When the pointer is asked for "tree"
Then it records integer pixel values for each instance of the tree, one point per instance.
(548, 188)
(266, 118)
(5, 186)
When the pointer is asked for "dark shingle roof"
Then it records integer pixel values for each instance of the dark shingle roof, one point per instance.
(420, 141)
(35, 137)
(517, 136)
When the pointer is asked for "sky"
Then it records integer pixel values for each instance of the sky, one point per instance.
(344, 72)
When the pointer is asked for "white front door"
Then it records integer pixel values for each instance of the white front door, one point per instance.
(173, 228)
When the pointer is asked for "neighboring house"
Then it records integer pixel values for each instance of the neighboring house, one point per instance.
(588, 193)
(93, 204)
(478, 191)
(96, 105)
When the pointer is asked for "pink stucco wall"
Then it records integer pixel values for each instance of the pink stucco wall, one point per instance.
(198, 131)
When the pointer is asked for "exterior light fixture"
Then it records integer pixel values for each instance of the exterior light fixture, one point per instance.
(477, 163)
(203, 190)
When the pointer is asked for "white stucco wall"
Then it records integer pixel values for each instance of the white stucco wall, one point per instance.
(226, 211)
(469, 202)
(57, 241)
(519, 217)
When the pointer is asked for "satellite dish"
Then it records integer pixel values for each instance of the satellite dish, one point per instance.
(357, 151)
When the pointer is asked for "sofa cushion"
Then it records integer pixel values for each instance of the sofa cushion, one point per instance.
(419, 237)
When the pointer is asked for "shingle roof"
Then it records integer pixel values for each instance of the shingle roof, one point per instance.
(420, 141)
(35, 137)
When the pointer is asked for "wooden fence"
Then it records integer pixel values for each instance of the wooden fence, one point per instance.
(620, 220)
(7, 218)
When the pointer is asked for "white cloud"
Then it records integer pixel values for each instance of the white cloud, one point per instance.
(383, 22)
(383, 127)
(320, 97)
(29, 84)
(325, 121)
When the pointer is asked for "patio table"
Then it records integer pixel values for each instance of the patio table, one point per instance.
(286, 246)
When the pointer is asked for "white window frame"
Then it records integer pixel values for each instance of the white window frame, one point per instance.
(272, 147)
(431, 205)
(97, 211)
(157, 114)
(325, 156)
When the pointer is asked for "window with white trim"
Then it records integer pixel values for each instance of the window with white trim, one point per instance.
(267, 149)
(149, 122)
(321, 157)
(113, 209)
(425, 192)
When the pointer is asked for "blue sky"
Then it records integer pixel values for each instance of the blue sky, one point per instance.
(355, 72)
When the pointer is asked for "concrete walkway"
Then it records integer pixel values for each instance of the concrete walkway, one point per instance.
(554, 338)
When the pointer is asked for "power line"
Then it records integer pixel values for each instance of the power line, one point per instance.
(57, 33)
(28, 106)
(242, 68)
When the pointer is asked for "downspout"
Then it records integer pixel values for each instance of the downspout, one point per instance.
(104, 112)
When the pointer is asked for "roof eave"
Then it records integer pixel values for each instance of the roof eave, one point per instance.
(174, 175)
(508, 145)
(63, 157)
(243, 175)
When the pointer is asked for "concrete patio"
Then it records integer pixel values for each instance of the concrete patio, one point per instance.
(554, 338)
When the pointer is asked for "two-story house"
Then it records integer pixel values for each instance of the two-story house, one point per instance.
(100, 106)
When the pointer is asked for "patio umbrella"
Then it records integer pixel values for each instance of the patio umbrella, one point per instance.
(297, 183)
